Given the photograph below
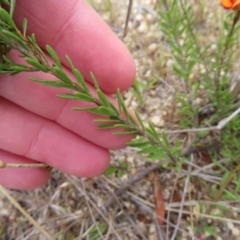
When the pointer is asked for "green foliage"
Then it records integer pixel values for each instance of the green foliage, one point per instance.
(97, 231)
(118, 171)
(179, 26)
(212, 230)
(179, 32)
(187, 53)
(138, 87)
(7, 18)
(118, 117)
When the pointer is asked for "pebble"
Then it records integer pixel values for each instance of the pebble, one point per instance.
(65, 184)
(156, 120)
(230, 225)
(179, 104)
(197, 102)
(181, 42)
(124, 177)
(203, 70)
(222, 73)
(196, 210)
(169, 62)
(130, 159)
(134, 104)
(152, 47)
(153, 237)
(127, 204)
(214, 46)
(144, 194)
(153, 93)
(138, 17)
(100, 202)
(152, 228)
(4, 212)
(161, 123)
(142, 226)
(215, 211)
(213, 60)
(142, 27)
(149, 17)
(167, 194)
(148, 73)
(236, 232)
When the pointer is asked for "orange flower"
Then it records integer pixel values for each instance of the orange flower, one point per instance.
(231, 4)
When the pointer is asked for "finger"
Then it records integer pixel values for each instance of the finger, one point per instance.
(42, 100)
(21, 178)
(74, 28)
(25, 134)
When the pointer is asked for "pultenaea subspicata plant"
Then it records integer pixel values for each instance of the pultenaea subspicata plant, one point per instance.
(13, 38)
(149, 141)
(156, 146)
(213, 80)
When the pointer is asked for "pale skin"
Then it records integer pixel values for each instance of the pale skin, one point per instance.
(35, 125)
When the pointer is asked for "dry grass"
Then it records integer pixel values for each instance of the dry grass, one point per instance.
(72, 208)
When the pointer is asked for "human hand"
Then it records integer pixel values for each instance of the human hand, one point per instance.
(35, 125)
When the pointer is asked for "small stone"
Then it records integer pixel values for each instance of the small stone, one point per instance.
(152, 228)
(133, 171)
(167, 194)
(130, 159)
(181, 42)
(65, 184)
(134, 104)
(230, 225)
(142, 27)
(179, 104)
(156, 120)
(209, 221)
(203, 71)
(222, 73)
(153, 237)
(142, 227)
(197, 102)
(236, 231)
(152, 47)
(153, 93)
(169, 63)
(164, 113)
(100, 202)
(214, 46)
(191, 76)
(127, 204)
(148, 73)
(4, 213)
(215, 211)
(148, 2)
(139, 17)
(161, 123)
(149, 17)
(124, 177)
(143, 194)
(213, 60)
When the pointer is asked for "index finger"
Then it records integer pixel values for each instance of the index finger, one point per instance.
(73, 28)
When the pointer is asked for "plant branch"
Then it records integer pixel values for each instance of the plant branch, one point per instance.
(36, 59)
